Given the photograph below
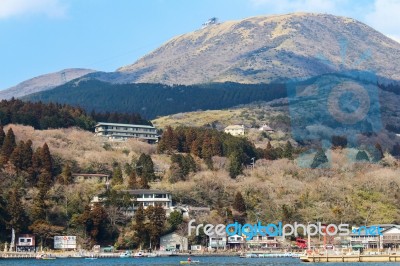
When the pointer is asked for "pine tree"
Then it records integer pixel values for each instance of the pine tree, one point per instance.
(46, 160)
(319, 159)
(139, 226)
(8, 146)
(145, 167)
(117, 176)
(27, 155)
(235, 165)
(288, 151)
(132, 181)
(18, 218)
(156, 217)
(378, 153)
(16, 156)
(239, 203)
(66, 175)
(362, 156)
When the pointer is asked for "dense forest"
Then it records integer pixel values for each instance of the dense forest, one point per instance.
(152, 100)
(54, 115)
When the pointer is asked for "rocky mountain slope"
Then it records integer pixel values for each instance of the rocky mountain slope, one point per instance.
(43, 82)
(265, 48)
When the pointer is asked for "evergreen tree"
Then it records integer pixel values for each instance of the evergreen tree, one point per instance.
(362, 156)
(27, 155)
(319, 159)
(156, 217)
(132, 181)
(288, 151)
(378, 153)
(117, 176)
(235, 165)
(175, 219)
(66, 175)
(39, 208)
(17, 216)
(16, 156)
(139, 226)
(46, 160)
(8, 146)
(239, 203)
(145, 167)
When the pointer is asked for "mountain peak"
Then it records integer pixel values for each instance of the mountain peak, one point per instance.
(265, 48)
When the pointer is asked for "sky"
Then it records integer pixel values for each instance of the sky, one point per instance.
(44, 36)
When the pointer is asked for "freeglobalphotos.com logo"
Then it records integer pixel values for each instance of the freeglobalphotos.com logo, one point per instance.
(281, 230)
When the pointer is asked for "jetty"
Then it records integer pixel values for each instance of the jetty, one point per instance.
(350, 258)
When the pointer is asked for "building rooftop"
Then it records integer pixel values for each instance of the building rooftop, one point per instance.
(235, 127)
(146, 191)
(122, 125)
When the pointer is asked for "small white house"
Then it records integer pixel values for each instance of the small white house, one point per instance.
(173, 242)
(266, 128)
(235, 130)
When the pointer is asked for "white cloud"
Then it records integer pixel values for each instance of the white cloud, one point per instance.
(50, 8)
(384, 18)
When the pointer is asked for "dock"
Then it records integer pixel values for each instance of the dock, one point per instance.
(351, 258)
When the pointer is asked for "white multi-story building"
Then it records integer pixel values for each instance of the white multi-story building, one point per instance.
(115, 131)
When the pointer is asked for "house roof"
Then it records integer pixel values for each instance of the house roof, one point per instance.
(94, 175)
(122, 125)
(234, 127)
(146, 191)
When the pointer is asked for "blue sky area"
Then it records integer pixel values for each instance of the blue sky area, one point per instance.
(43, 36)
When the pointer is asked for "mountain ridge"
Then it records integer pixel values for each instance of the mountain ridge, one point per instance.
(43, 82)
(264, 48)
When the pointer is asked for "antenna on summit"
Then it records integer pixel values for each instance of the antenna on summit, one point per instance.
(211, 21)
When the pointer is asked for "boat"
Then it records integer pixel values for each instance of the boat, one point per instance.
(126, 254)
(152, 255)
(45, 257)
(138, 254)
(189, 262)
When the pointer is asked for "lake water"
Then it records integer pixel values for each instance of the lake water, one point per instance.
(165, 261)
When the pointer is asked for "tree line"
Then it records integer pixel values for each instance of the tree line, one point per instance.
(54, 115)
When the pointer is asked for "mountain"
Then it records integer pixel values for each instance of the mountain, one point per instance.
(266, 48)
(43, 82)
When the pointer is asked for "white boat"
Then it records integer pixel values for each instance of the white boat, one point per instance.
(138, 254)
(126, 254)
(152, 255)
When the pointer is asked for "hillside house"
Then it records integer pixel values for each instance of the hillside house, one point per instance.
(235, 130)
(266, 128)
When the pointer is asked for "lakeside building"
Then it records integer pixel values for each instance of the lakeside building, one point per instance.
(25, 243)
(390, 237)
(173, 242)
(235, 130)
(121, 132)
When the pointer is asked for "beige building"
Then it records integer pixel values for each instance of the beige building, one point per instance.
(235, 130)
(173, 242)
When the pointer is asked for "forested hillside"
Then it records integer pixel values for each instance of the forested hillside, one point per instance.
(152, 100)
(54, 115)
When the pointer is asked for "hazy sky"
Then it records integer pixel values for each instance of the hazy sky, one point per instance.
(43, 36)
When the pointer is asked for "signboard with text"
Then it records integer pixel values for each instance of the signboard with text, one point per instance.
(65, 242)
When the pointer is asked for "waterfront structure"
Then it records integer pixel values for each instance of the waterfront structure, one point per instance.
(236, 242)
(25, 243)
(173, 242)
(262, 242)
(120, 132)
(235, 130)
(217, 241)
